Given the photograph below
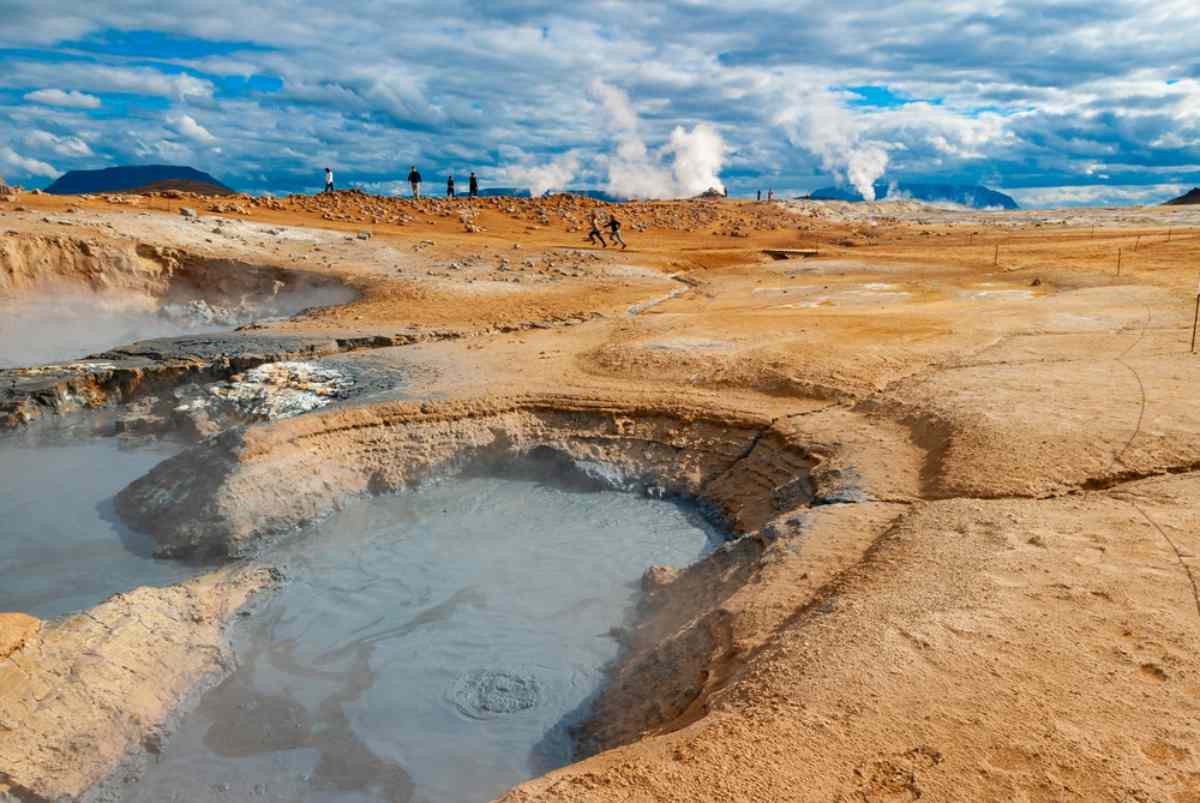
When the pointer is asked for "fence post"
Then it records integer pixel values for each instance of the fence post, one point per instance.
(1195, 320)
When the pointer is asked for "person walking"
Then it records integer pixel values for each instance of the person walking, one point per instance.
(414, 178)
(449, 186)
(328, 180)
(594, 235)
(614, 231)
(473, 186)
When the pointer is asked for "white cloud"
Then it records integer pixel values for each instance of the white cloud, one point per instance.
(1096, 195)
(25, 166)
(1018, 94)
(61, 146)
(89, 76)
(57, 97)
(186, 126)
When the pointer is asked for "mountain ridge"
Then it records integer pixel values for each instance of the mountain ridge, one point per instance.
(973, 195)
(131, 178)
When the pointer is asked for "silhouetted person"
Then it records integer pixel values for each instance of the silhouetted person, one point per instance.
(328, 180)
(473, 186)
(449, 186)
(594, 235)
(759, 198)
(614, 230)
(414, 178)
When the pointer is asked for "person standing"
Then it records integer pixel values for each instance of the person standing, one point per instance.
(614, 231)
(473, 186)
(449, 186)
(328, 180)
(759, 198)
(594, 235)
(414, 178)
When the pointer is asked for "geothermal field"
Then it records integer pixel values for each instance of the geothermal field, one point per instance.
(352, 498)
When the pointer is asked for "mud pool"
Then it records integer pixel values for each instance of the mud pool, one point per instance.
(433, 645)
(61, 547)
(69, 326)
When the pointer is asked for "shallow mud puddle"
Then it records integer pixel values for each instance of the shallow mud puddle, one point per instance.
(61, 547)
(432, 646)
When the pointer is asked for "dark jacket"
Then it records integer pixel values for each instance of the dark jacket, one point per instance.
(414, 177)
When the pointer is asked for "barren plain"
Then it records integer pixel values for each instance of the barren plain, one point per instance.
(959, 451)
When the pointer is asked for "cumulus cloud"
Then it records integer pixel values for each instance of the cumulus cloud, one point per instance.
(186, 126)
(93, 77)
(62, 146)
(1083, 93)
(25, 166)
(57, 97)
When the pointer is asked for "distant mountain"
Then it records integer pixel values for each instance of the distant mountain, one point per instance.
(1192, 196)
(972, 195)
(516, 192)
(133, 178)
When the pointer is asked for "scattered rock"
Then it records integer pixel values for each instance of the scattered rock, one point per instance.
(657, 577)
(187, 211)
(15, 630)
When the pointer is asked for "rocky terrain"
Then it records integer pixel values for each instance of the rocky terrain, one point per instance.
(959, 451)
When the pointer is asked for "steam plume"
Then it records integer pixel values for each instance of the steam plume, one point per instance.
(821, 124)
(634, 171)
(540, 179)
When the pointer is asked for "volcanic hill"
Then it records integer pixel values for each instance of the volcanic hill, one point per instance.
(138, 178)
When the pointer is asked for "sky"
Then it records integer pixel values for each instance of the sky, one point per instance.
(1066, 103)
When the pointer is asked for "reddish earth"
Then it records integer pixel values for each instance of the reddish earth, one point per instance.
(1009, 611)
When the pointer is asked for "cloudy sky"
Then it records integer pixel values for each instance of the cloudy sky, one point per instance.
(1094, 102)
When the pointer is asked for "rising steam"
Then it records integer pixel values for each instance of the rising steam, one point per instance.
(636, 172)
(540, 179)
(687, 165)
(821, 124)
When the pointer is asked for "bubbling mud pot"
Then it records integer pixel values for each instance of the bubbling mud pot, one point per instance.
(432, 645)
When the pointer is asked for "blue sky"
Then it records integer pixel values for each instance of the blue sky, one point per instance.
(1093, 102)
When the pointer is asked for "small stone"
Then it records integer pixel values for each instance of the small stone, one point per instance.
(187, 211)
